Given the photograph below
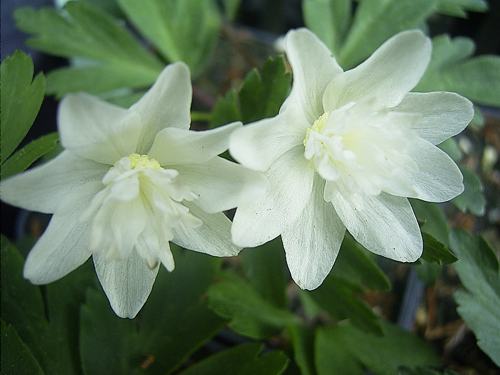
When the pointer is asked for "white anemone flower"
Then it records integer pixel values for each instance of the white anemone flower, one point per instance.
(346, 151)
(127, 183)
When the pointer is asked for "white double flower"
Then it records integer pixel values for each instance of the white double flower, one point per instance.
(345, 151)
(127, 183)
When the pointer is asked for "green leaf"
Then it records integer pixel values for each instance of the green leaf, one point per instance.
(376, 21)
(260, 96)
(115, 58)
(249, 313)
(265, 268)
(329, 20)
(450, 146)
(478, 305)
(453, 69)
(49, 329)
(424, 371)
(432, 219)
(459, 8)
(435, 251)
(182, 30)
(303, 348)
(339, 298)
(356, 265)
(472, 199)
(344, 348)
(30, 153)
(21, 99)
(241, 360)
(173, 324)
(17, 359)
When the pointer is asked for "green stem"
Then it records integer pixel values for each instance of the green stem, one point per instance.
(201, 116)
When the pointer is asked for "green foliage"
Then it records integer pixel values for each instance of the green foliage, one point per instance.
(182, 30)
(435, 251)
(26, 156)
(345, 349)
(260, 95)
(459, 8)
(114, 58)
(472, 199)
(265, 268)
(432, 219)
(241, 360)
(47, 326)
(173, 324)
(453, 69)
(21, 99)
(329, 20)
(249, 313)
(478, 304)
(303, 348)
(16, 359)
(376, 21)
(357, 266)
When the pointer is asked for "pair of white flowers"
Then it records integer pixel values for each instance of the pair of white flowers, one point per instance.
(344, 152)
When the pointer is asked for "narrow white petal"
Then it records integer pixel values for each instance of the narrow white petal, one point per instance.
(166, 104)
(220, 184)
(313, 241)
(436, 177)
(63, 247)
(289, 187)
(313, 68)
(384, 224)
(182, 146)
(385, 77)
(213, 237)
(97, 130)
(434, 116)
(259, 144)
(126, 282)
(56, 185)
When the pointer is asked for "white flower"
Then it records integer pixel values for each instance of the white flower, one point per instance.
(127, 183)
(345, 151)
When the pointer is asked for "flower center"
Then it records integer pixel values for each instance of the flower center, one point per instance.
(326, 148)
(140, 208)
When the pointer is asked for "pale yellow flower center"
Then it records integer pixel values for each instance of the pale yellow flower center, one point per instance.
(143, 162)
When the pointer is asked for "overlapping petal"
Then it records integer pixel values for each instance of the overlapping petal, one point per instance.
(313, 241)
(55, 186)
(434, 116)
(167, 104)
(212, 237)
(289, 187)
(385, 77)
(96, 130)
(384, 224)
(182, 146)
(127, 282)
(219, 184)
(63, 247)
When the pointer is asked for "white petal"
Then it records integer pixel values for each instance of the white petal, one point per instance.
(312, 243)
(127, 282)
(384, 224)
(290, 184)
(96, 130)
(166, 104)
(220, 184)
(63, 247)
(434, 116)
(436, 178)
(56, 185)
(182, 146)
(313, 68)
(385, 77)
(213, 237)
(259, 144)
